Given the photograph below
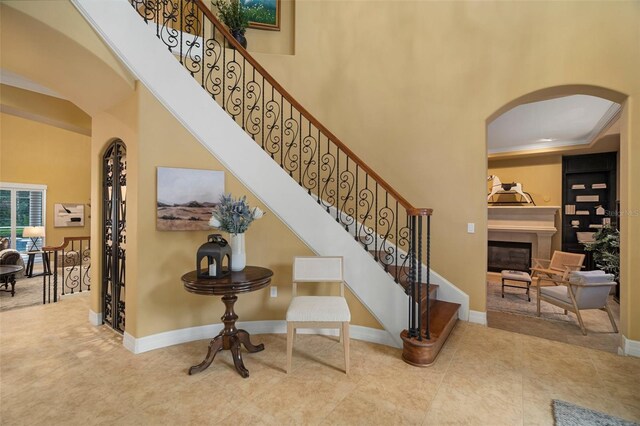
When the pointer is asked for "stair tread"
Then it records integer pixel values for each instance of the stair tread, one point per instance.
(440, 315)
(422, 353)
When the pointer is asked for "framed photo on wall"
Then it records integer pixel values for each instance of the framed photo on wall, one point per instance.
(186, 197)
(68, 214)
(263, 14)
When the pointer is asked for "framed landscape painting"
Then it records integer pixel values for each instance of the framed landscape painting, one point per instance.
(186, 198)
(263, 14)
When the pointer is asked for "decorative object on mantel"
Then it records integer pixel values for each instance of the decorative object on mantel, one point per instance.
(235, 16)
(498, 188)
(215, 251)
(235, 216)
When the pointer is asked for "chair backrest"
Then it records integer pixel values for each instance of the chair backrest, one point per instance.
(314, 269)
(591, 293)
(10, 257)
(564, 262)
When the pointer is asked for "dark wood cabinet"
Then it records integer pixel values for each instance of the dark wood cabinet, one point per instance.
(588, 199)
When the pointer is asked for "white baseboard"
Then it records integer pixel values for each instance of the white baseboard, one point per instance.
(478, 317)
(95, 318)
(184, 335)
(629, 347)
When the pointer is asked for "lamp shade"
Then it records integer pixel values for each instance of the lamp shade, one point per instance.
(33, 231)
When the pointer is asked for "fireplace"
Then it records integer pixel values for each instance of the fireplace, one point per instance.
(509, 255)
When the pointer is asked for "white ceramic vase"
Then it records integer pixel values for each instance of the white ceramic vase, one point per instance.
(238, 253)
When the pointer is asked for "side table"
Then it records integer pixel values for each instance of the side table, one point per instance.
(251, 278)
(45, 264)
(8, 277)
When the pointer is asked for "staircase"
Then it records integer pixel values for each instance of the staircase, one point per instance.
(288, 145)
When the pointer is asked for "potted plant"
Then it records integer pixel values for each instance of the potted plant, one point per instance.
(234, 15)
(606, 251)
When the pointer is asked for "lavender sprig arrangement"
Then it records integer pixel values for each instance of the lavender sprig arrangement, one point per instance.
(234, 216)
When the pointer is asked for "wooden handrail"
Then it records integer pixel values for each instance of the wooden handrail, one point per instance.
(411, 210)
(65, 243)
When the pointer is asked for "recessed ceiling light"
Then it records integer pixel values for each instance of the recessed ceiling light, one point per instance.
(546, 140)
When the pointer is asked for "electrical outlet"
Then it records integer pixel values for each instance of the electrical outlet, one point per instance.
(274, 291)
(471, 228)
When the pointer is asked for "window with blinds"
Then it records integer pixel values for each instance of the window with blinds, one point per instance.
(21, 205)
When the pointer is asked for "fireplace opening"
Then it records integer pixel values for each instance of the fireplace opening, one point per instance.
(508, 255)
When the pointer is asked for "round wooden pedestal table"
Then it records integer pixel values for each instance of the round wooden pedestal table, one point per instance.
(251, 278)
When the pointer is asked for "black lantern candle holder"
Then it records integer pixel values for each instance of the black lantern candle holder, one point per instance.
(214, 251)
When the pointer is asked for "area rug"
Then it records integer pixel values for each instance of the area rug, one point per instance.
(567, 414)
(28, 293)
(515, 302)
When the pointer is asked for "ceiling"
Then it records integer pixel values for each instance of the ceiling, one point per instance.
(12, 79)
(568, 121)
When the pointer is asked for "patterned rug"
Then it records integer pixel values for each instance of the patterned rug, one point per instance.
(567, 414)
(515, 302)
(28, 293)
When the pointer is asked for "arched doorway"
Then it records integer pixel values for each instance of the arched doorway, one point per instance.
(545, 167)
(114, 175)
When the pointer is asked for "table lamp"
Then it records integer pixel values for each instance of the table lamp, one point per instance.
(33, 232)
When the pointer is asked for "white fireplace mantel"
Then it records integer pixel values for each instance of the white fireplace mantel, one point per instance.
(528, 224)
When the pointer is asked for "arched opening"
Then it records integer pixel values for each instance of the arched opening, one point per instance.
(560, 147)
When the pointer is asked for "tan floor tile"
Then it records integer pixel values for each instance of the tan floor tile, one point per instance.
(483, 376)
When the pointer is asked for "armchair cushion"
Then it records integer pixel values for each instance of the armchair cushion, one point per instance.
(556, 292)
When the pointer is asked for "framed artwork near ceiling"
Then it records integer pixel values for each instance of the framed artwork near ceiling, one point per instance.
(186, 197)
(263, 14)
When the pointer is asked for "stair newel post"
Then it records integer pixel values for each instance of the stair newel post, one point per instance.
(428, 315)
(418, 263)
(412, 278)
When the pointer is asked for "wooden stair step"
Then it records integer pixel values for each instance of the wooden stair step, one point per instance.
(422, 353)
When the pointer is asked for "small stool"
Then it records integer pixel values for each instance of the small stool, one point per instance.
(519, 276)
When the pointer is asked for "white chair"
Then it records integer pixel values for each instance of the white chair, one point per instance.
(318, 311)
(583, 290)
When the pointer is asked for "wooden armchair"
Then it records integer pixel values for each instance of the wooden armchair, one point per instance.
(583, 290)
(558, 268)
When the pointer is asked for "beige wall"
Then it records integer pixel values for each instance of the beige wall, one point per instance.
(45, 109)
(36, 153)
(50, 43)
(413, 99)
(156, 300)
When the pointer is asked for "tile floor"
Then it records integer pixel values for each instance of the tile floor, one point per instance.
(55, 368)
